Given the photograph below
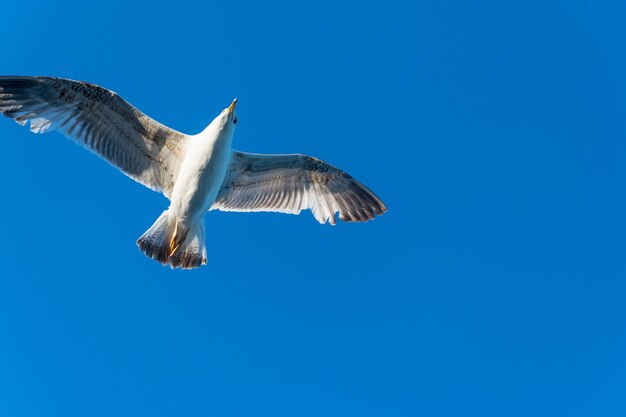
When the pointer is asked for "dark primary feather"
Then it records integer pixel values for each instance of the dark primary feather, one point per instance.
(101, 121)
(291, 183)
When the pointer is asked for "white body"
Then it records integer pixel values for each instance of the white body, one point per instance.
(202, 172)
(177, 237)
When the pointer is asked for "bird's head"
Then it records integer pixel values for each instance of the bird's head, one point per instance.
(224, 123)
(228, 118)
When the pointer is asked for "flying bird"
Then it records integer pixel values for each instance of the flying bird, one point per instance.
(196, 173)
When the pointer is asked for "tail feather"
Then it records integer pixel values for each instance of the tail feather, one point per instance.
(172, 243)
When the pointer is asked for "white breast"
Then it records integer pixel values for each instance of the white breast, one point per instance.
(201, 173)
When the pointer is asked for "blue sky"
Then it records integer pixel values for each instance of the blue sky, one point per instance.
(494, 131)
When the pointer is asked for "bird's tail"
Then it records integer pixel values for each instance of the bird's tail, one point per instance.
(172, 243)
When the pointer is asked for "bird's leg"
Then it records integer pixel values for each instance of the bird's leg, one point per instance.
(175, 241)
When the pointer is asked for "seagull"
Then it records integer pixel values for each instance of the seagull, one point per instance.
(197, 173)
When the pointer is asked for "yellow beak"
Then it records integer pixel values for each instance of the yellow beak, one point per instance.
(232, 106)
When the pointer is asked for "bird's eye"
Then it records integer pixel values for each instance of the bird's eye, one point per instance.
(235, 120)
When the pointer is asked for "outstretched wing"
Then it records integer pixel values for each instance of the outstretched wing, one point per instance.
(291, 183)
(99, 120)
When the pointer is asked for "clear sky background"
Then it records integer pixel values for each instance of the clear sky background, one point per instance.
(495, 285)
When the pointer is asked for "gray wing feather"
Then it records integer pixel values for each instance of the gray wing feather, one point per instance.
(99, 120)
(292, 183)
